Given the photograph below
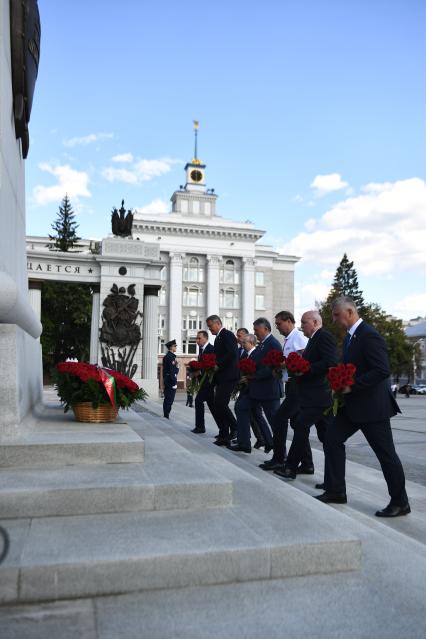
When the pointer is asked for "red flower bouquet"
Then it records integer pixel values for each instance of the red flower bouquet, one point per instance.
(297, 365)
(247, 367)
(78, 382)
(340, 378)
(275, 360)
(207, 366)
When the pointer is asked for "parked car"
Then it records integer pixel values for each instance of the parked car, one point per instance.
(419, 389)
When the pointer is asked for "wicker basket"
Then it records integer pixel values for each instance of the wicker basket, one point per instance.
(84, 412)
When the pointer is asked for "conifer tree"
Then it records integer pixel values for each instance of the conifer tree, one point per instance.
(65, 227)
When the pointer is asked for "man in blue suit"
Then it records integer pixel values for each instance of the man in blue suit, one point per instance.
(170, 373)
(369, 405)
(264, 390)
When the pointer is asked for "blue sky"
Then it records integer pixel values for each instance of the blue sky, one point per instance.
(311, 117)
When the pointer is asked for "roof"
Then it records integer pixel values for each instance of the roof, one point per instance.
(418, 330)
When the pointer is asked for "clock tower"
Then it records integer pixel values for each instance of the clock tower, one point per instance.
(195, 170)
(193, 198)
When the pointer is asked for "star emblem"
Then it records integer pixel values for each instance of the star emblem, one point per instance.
(90, 270)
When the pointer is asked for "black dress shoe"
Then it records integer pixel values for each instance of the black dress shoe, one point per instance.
(258, 444)
(394, 511)
(240, 449)
(271, 464)
(233, 434)
(286, 473)
(222, 442)
(305, 470)
(166, 416)
(198, 430)
(320, 486)
(332, 498)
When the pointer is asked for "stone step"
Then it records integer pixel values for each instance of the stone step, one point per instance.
(56, 439)
(108, 488)
(85, 556)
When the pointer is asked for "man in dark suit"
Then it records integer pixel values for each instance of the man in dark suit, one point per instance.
(369, 405)
(170, 373)
(313, 389)
(256, 414)
(206, 392)
(264, 390)
(226, 351)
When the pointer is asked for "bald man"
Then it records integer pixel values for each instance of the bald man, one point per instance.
(313, 388)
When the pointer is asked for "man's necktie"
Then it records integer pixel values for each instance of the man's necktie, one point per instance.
(346, 343)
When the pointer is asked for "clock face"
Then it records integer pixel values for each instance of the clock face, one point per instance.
(196, 175)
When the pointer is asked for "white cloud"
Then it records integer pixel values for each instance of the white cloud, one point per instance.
(307, 295)
(156, 206)
(87, 139)
(324, 184)
(74, 183)
(141, 170)
(411, 306)
(123, 157)
(382, 230)
(310, 224)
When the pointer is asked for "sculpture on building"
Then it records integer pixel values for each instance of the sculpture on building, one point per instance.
(120, 222)
(120, 333)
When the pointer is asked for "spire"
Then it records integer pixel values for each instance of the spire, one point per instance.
(195, 159)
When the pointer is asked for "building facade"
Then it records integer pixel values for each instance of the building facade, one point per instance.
(211, 265)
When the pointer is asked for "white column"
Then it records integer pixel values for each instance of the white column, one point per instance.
(94, 327)
(175, 299)
(248, 292)
(150, 333)
(213, 263)
(35, 297)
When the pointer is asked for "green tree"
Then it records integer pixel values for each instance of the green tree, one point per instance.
(402, 353)
(66, 316)
(65, 228)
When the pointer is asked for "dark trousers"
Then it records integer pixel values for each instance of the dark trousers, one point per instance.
(379, 436)
(243, 409)
(222, 414)
(169, 398)
(256, 416)
(205, 395)
(303, 421)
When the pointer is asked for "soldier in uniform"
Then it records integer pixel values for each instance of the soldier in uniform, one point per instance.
(170, 373)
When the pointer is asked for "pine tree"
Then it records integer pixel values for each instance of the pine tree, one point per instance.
(401, 354)
(65, 227)
(345, 282)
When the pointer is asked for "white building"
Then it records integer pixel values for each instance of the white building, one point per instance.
(212, 265)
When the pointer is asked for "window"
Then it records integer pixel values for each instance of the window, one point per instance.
(229, 274)
(231, 322)
(260, 302)
(260, 278)
(192, 271)
(163, 297)
(229, 298)
(189, 347)
(193, 296)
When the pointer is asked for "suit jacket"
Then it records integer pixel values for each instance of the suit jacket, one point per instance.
(226, 351)
(321, 352)
(264, 386)
(207, 386)
(170, 371)
(371, 398)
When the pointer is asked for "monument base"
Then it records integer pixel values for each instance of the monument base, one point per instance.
(21, 374)
(150, 385)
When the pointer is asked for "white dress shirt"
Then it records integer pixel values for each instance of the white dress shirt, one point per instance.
(294, 342)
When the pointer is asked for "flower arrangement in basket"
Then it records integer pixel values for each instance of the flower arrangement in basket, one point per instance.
(247, 367)
(94, 393)
(275, 360)
(341, 378)
(201, 370)
(297, 365)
